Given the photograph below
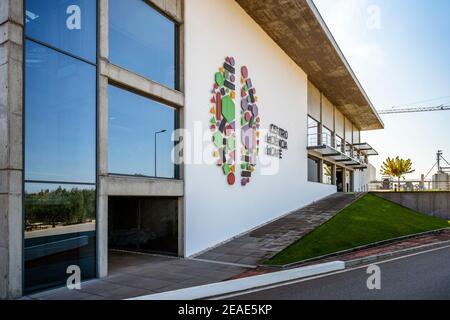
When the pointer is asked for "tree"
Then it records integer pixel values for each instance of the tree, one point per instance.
(396, 168)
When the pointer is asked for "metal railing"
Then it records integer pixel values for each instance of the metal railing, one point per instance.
(316, 139)
(410, 185)
(325, 139)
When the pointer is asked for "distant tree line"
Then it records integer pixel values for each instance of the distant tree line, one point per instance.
(60, 206)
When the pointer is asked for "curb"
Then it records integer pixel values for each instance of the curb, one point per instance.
(240, 285)
(369, 246)
(395, 254)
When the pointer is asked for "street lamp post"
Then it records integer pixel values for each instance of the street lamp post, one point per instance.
(156, 134)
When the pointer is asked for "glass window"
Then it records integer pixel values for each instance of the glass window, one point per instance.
(69, 25)
(60, 117)
(140, 135)
(59, 232)
(327, 171)
(142, 40)
(313, 170)
(313, 132)
(327, 137)
(339, 144)
(349, 150)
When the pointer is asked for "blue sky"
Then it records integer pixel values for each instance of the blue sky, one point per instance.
(400, 52)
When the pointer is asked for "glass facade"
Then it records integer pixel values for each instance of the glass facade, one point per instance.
(143, 40)
(59, 232)
(327, 173)
(327, 137)
(140, 136)
(60, 141)
(313, 170)
(313, 132)
(68, 25)
(340, 144)
(60, 116)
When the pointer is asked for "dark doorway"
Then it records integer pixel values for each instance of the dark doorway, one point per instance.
(147, 225)
(340, 179)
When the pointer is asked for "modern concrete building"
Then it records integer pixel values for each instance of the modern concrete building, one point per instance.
(93, 94)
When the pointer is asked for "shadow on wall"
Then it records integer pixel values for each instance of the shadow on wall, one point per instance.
(435, 204)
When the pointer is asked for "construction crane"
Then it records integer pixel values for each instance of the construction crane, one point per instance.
(414, 110)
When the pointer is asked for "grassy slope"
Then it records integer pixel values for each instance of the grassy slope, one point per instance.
(368, 220)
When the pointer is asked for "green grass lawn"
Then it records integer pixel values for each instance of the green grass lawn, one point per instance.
(368, 220)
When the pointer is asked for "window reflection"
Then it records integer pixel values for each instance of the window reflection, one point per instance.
(60, 117)
(69, 25)
(327, 173)
(313, 170)
(59, 232)
(340, 144)
(313, 132)
(142, 40)
(140, 135)
(327, 137)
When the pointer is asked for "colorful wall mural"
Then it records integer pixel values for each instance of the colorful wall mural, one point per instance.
(250, 124)
(223, 122)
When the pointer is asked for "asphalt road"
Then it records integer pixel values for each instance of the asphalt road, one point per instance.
(421, 277)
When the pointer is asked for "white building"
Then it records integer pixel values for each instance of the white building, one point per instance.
(244, 79)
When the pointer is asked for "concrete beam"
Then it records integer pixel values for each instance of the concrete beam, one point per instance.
(296, 26)
(11, 153)
(142, 85)
(11, 11)
(172, 8)
(142, 187)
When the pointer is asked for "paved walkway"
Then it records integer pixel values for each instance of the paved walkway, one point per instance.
(262, 244)
(134, 275)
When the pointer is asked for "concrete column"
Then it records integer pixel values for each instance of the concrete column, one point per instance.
(102, 228)
(102, 181)
(102, 142)
(334, 177)
(11, 148)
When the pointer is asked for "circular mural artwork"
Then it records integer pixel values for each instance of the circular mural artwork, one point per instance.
(223, 122)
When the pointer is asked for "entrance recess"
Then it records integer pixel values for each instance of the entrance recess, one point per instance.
(340, 179)
(148, 225)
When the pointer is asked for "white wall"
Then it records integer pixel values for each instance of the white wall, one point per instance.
(216, 212)
(363, 178)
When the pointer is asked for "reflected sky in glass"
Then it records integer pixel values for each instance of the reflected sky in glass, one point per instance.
(133, 122)
(69, 25)
(142, 40)
(60, 117)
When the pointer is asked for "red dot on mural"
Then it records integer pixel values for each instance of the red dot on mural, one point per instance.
(244, 72)
(231, 179)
